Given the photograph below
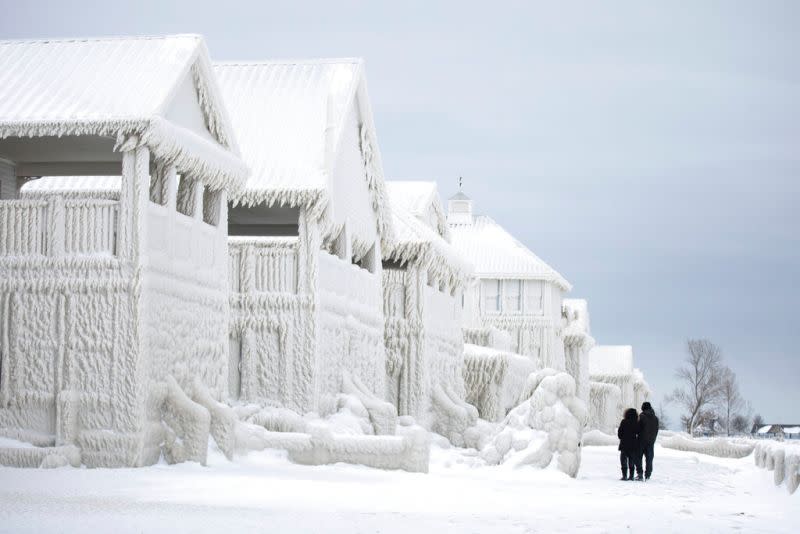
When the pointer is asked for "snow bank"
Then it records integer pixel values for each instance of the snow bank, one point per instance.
(356, 433)
(781, 458)
(186, 425)
(452, 416)
(21, 454)
(719, 447)
(597, 438)
(546, 425)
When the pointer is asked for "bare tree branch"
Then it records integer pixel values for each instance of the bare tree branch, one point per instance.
(700, 381)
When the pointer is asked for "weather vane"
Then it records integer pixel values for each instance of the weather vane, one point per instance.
(460, 179)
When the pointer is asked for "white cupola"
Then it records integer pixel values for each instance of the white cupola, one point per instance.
(459, 209)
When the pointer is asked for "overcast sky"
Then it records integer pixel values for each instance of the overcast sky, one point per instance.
(651, 154)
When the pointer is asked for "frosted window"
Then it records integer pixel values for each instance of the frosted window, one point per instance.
(491, 295)
(533, 296)
(512, 295)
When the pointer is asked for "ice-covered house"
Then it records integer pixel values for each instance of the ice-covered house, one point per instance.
(113, 295)
(578, 341)
(306, 235)
(615, 385)
(423, 281)
(515, 291)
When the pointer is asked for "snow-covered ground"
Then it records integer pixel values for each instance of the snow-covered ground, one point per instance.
(264, 492)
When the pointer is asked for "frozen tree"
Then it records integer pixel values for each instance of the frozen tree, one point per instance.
(663, 418)
(758, 421)
(740, 423)
(700, 381)
(731, 402)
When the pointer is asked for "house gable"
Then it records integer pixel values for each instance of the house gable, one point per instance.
(184, 109)
(350, 196)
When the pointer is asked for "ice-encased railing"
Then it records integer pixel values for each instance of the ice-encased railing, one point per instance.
(58, 227)
(783, 459)
(720, 447)
(264, 264)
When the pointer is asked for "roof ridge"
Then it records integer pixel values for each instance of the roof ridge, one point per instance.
(196, 36)
(308, 61)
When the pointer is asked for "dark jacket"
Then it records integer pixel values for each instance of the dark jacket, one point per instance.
(628, 432)
(648, 427)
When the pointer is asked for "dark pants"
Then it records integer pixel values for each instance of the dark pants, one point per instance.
(647, 451)
(627, 460)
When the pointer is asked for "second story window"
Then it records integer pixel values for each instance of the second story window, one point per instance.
(491, 295)
(512, 296)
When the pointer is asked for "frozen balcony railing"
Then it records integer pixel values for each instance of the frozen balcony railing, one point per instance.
(263, 264)
(58, 227)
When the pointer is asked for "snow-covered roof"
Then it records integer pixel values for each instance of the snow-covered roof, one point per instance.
(289, 117)
(96, 186)
(414, 237)
(120, 87)
(611, 360)
(420, 199)
(777, 428)
(497, 254)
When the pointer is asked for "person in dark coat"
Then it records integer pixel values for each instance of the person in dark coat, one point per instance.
(628, 434)
(648, 432)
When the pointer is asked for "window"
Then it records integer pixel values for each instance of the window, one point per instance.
(512, 295)
(491, 295)
(533, 297)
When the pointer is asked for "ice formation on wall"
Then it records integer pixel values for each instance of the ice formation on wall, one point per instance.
(578, 341)
(422, 284)
(604, 407)
(494, 379)
(307, 306)
(783, 459)
(548, 424)
(113, 305)
(641, 389)
(615, 385)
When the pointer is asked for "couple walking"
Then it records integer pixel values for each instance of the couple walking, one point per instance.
(637, 437)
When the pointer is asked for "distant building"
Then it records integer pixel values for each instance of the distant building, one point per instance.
(776, 431)
(515, 291)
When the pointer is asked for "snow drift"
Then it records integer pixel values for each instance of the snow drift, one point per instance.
(546, 425)
(719, 447)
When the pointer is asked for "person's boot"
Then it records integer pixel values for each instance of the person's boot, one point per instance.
(625, 474)
(638, 477)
